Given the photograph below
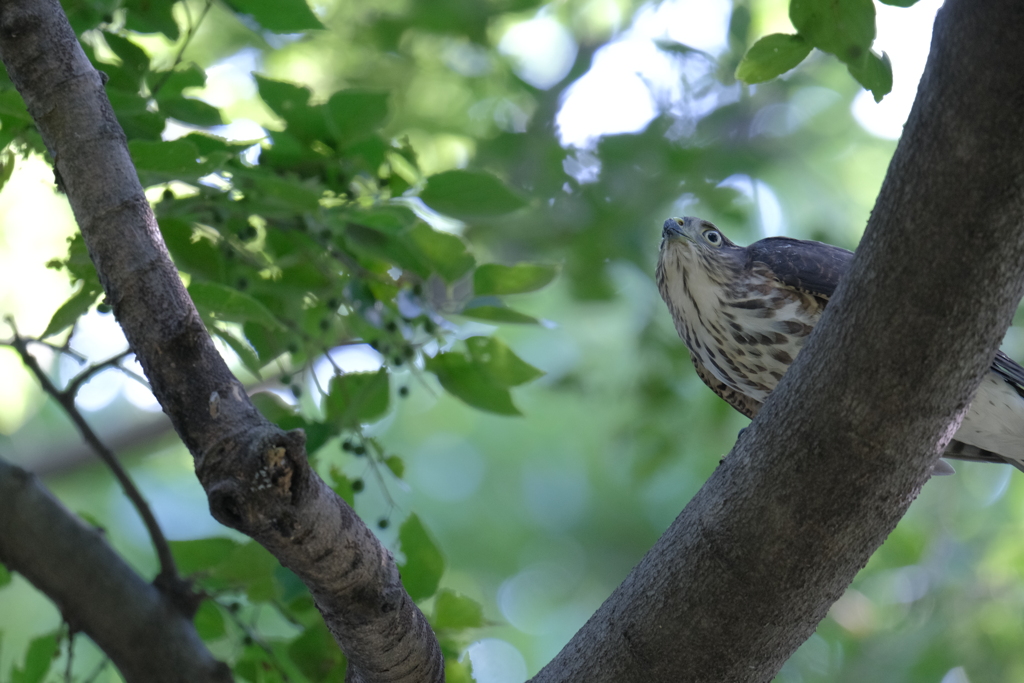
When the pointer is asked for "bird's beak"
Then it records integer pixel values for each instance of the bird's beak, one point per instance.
(672, 229)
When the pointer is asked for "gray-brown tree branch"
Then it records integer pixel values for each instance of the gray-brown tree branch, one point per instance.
(148, 638)
(257, 477)
(820, 478)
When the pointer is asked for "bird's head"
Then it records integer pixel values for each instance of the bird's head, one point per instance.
(690, 243)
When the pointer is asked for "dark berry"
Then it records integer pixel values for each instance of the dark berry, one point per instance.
(403, 391)
(358, 485)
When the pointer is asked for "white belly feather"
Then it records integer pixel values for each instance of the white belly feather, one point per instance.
(995, 420)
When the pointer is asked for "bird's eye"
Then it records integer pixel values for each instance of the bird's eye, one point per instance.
(713, 237)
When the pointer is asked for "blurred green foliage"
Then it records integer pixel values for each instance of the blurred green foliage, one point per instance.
(412, 195)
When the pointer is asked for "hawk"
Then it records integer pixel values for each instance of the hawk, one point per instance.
(745, 312)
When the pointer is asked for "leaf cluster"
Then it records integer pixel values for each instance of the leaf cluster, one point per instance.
(842, 28)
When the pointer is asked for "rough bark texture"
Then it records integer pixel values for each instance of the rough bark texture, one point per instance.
(819, 479)
(148, 639)
(257, 477)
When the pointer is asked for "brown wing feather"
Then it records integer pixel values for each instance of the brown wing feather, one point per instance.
(810, 267)
(816, 268)
(740, 402)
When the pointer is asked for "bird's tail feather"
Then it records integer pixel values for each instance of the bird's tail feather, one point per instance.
(958, 450)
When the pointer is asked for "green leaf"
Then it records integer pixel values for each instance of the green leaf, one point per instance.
(316, 655)
(469, 194)
(12, 105)
(191, 76)
(354, 114)
(501, 364)
(395, 464)
(458, 672)
(272, 406)
(79, 263)
(251, 567)
(139, 124)
(72, 309)
(772, 56)
(285, 192)
(342, 485)
(469, 382)
(269, 343)
(845, 28)
(391, 248)
(5, 576)
(492, 279)
(38, 658)
(196, 112)
(424, 563)
(211, 145)
(483, 376)
(256, 665)
(7, 161)
(317, 434)
(227, 303)
(209, 621)
(874, 73)
(279, 16)
(245, 353)
(134, 60)
(446, 253)
(452, 610)
(194, 256)
(281, 96)
(290, 587)
(357, 397)
(498, 314)
(160, 161)
(739, 26)
(146, 16)
(201, 554)
(392, 220)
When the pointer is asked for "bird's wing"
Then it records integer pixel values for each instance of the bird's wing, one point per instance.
(1009, 371)
(810, 267)
(740, 402)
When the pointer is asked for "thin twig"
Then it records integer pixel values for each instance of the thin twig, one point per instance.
(375, 464)
(168, 571)
(71, 654)
(81, 378)
(97, 671)
(316, 381)
(192, 29)
(251, 634)
(63, 348)
(337, 368)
